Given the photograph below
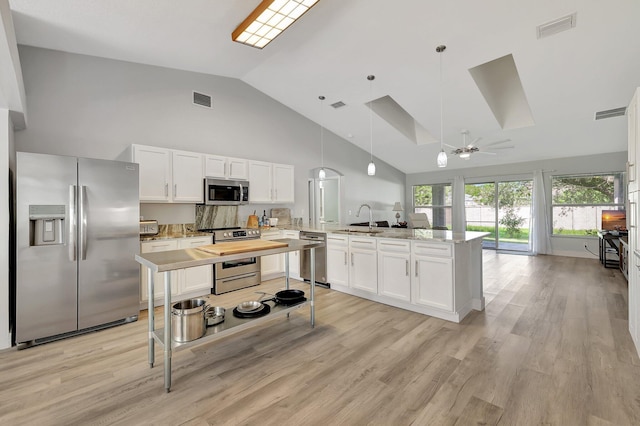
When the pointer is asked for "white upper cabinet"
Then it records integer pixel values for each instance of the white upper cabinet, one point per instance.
(187, 177)
(270, 183)
(168, 176)
(155, 172)
(634, 141)
(225, 167)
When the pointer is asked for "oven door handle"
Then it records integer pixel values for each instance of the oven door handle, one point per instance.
(238, 277)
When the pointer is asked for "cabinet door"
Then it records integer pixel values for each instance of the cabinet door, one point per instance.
(363, 273)
(283, 183)
(260, 180)
(215, 166)
(199, 278)
(394, 279)
(633, 151)
(238, 168)
(338, 260)
(155, 173)
(294, 256)
(188, 180)
(433, 282)
(272, 266)
(158, 289)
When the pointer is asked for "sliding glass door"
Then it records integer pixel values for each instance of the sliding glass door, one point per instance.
(504, 210)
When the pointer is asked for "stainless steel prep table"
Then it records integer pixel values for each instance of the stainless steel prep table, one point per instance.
(168, 261)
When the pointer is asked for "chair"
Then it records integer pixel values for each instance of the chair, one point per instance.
(418, 221)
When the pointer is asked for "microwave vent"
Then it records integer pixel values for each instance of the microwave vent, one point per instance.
(202, 100)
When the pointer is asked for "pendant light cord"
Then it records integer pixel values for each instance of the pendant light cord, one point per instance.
(371, 78)
(440, 50)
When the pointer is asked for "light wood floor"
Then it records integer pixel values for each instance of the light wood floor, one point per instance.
(552, 347)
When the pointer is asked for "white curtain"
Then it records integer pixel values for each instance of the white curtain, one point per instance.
(459, 219)
(540, 225)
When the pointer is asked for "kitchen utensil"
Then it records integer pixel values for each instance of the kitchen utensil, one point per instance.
(255, 314)
(215, 315)
(249, 306)
(188, 321)
(285, 297)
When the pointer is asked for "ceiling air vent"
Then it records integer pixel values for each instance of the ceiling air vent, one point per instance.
(202, 100)
(553, 27)
(610, 113)
(338, 104)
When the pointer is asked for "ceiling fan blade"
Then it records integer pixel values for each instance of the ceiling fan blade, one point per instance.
(450, 146)
(504, 147)
(499, 142)
(474, 141)
(487, 152)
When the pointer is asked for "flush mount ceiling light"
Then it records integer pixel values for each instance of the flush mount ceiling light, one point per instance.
(442, 156)
(268, 20)
(371, 168)
(321, 174)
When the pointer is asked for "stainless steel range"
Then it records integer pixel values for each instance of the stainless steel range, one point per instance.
(235, 274)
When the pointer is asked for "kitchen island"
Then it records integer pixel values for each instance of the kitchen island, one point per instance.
(168, 261)
(433, 272)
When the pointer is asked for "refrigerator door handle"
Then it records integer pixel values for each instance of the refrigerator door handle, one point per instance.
(82, 204)
(73, 190)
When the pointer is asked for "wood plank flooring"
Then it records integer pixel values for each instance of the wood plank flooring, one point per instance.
(552, 347)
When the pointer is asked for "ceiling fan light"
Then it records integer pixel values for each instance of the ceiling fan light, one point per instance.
(321, 174)
(371, 169)
(442, 159)
(465, 155)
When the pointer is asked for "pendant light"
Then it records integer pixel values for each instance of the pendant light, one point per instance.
(371, 169)
(442, 156)
(321, 174)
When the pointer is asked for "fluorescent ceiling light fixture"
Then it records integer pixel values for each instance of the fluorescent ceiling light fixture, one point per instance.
(268, 20)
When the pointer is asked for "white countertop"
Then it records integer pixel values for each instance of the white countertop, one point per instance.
(399, 233)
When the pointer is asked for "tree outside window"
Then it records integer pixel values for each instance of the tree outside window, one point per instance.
(434, 200)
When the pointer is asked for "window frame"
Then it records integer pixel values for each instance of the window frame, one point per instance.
(432, 207)
(621, 205)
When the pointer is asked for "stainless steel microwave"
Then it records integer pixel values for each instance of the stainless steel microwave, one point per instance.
(220, 192)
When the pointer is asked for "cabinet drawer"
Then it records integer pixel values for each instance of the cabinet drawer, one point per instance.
(194, 242)
(337, 240)
(432, 249)
(362, 243)
(396, 246)
(155, 246)
(294, 235)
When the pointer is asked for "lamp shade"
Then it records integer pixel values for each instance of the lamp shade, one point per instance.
(397, 207)
(442, 159)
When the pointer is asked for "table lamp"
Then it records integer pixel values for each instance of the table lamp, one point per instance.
(397, 208)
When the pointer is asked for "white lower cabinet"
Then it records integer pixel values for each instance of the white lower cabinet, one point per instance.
(363, 268)
(432, 275)
(394, 271)
(294, 256)
(338, 260)
(199, 278)
(185, 282)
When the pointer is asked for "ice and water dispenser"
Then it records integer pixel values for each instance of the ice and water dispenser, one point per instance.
(46, 224)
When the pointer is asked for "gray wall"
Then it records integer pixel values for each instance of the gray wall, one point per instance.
(562, 245)
(93, 107)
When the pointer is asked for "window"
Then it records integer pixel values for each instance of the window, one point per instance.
(434, 200)
(579, 200)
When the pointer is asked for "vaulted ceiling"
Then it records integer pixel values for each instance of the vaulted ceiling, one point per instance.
(544, 100)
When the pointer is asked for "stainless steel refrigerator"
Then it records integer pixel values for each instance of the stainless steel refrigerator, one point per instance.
(77, 231)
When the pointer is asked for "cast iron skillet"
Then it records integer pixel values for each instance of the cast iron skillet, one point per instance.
(288, 297)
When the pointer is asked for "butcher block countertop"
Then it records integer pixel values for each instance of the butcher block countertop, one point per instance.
(188, 258)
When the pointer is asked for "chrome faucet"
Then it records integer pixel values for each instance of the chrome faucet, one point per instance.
(371, 224)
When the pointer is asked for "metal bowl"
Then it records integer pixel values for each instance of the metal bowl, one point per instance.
(215, 315)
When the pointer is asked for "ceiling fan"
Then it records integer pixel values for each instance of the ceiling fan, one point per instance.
(467, 149)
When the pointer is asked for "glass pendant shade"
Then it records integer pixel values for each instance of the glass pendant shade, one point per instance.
(442, 159)
(321, 174)
(371, 169)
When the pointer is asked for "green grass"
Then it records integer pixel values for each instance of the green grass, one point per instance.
(522, 237)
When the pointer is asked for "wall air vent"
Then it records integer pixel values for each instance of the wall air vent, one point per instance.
(202, 100)
(558, 25)
(610, 113)
(338, 104)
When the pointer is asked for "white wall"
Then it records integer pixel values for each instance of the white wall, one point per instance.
(94, 107)
(561, 245)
